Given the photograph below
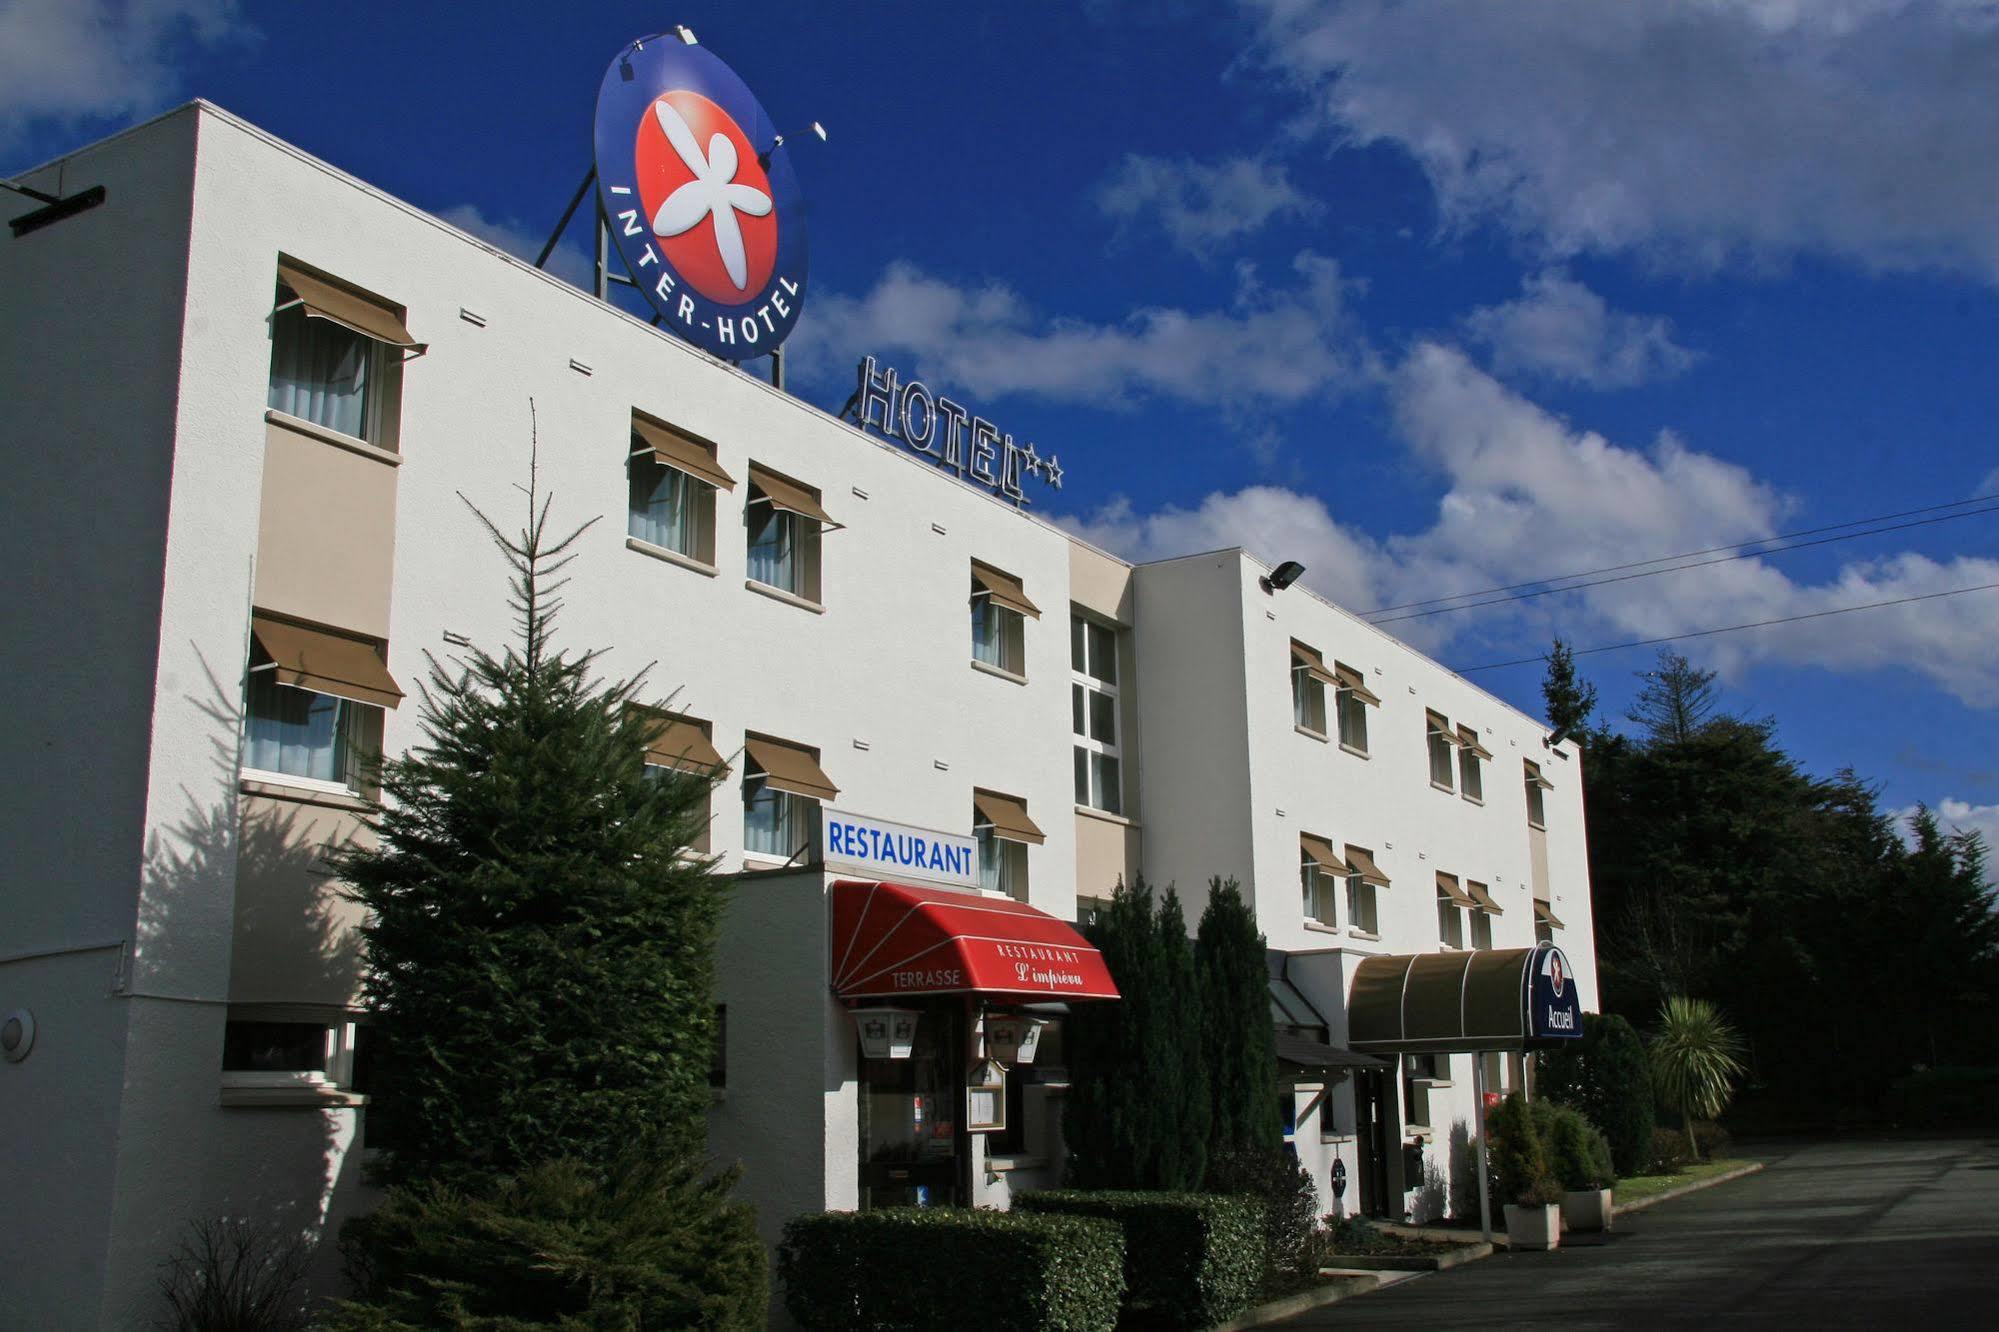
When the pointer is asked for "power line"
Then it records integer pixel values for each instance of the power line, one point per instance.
(1688, 555)
(1653, 573)
(1732, 628)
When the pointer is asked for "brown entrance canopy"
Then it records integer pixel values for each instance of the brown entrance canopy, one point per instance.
(1443, 1002)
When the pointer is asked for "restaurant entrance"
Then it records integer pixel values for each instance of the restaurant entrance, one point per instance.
(912, 1141)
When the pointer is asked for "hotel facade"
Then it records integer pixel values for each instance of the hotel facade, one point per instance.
(247, 392)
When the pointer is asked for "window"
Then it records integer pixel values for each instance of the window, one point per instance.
(1420, 1073)
(1441, 746)
(1452, 902)
(1484, 909)
(784, 521)
(1093, 699)
(1000, 611)
(1003, 832)
(257, 1052)
(674, 478)
(1546, 922)
(782, 790)
(1364, 879)
(313, 708)
(1481, 929)
(1537, 807)
(1309, 678)
(336, 356)
(1492, 1070)
(677, 743)
(1353, 700)
(1471, 778)
(1320, 874)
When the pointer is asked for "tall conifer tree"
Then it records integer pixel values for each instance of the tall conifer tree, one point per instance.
(1239, 1041)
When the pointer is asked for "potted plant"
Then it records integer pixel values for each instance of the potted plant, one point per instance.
(1534, 1218)
(1521, 1177)
(1580, 1157)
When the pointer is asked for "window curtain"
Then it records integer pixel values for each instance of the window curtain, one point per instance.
(662, 506)
(321, 372)
(297, 732)
(772, 558)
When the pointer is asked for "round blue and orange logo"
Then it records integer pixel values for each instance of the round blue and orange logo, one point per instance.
(700, 198)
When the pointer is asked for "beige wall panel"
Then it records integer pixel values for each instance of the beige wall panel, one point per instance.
(326, 540)
(1537, 858)
(1099, 583)
(1105, 852)
(297, 941)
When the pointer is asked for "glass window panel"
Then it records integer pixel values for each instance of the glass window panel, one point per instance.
(1082, 775)
(300, 733)
(274, 1047)
(1103, 718)
(1104, 779)
(772, 554)
(1076, 706)
(1076, 660)
(1440, 757)
(665, 502)
(1470, 779)
(1103, 654)
(320, 371)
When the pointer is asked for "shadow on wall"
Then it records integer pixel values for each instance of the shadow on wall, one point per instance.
(1464, 1172)
(238, 893)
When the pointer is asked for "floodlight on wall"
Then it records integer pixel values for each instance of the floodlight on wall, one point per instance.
(1283, 576)
(1557, 738)
(17, 1035)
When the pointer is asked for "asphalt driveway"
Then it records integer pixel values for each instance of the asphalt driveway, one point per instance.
(1881, 1232)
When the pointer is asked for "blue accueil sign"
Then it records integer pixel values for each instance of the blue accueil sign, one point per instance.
(700, 198)
(1554, 1004)
(878, 849)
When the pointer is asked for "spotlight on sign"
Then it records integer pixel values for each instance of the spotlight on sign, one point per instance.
(686, 34)
(818, 131)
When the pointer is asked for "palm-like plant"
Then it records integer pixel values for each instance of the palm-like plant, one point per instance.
(1696, 1058)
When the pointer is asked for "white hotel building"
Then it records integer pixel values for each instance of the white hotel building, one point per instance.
(234, 525)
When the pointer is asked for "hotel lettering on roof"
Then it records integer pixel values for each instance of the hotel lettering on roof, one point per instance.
(949, 727)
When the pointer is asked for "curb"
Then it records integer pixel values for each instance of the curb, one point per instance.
(1462, 1253)
(1292, 1305)
(1619, 1209)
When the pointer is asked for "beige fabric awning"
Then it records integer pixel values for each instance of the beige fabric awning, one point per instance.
(367, 315)
(1008, 815)
(327, 663)
(1534, 777)
(1352, 679)
(789, 495)
(1447, 884)
(789, 767)
(678, 451)
(1545, 913)
(1468, 739)
(1481, 895)
(1434, 723)
(681, 742)
(1456, 1001)
(1312, 663)
(1004, 589)
(1363, 864)
(1322, 854)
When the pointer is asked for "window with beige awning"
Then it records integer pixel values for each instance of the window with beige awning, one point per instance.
(1534, 777)
(307, 657)
(1545, 913)
(1447, 884)
(1004, 589)
(680, 451)
(1468, 740)
(1483, 897)
(791, 496)
(790, 768)
(1362, 863)
(366, 314)
(1008, 816)
(680, 741)
(1308, 660)
(1322, 854)
(1351, 679)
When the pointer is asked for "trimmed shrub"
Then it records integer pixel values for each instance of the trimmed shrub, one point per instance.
(1517, 1158)
(918, 1268)
(1289, 1200)
(1190, 1259)
(1608, 1076)
(1577, 1153)
(1670, 1152)
(659, 1244)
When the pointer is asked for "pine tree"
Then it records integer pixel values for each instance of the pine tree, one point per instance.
(1571, 700)
(541, 941)
(1677, 699)
(1238, 1039)
(1185, 1105)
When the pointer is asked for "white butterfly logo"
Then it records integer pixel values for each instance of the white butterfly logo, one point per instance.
(712, 193)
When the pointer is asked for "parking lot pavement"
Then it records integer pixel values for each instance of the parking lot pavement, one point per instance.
(1862, 1232)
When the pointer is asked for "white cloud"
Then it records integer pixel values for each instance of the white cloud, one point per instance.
(1560, 329)
(1276, 343)
(568, 261)
(1201, 205)
(1990, 485)
(67, 60)
(1698, 132)
(1954, 815)
(1529, 496)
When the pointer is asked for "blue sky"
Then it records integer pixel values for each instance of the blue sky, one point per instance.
(1433, 298)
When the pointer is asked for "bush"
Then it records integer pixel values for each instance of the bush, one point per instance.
(930, 1267)
(1712, 1139)
(657, 1244)
(1190, 1259)
(1518, 1160)
(1578, 1153)
(1670, 1152)
(1607, 1075)
(1289, 1201)
(234, 1276)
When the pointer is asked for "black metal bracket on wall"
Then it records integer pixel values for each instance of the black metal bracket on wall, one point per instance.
(55, 208)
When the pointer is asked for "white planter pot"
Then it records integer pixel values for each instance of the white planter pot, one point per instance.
(1533, 1227)
(1586, 1209)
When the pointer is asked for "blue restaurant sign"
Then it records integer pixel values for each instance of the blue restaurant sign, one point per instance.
(700, 198)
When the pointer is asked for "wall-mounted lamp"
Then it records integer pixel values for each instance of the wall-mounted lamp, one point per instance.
(17, 1035)
(1557, 738)
(1283, 576)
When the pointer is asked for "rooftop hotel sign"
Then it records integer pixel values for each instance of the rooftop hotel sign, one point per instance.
(933, 425)
(700, 198)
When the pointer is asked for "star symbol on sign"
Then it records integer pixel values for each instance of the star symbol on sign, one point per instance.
(712, 193)
(1054, 471)
(1031, 459)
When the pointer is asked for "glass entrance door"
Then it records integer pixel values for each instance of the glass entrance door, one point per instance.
(911, 1137)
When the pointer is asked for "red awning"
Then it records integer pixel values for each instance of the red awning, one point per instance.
(891, 939)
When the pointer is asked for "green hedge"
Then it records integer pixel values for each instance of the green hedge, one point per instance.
(1190, 1259)
(934, 1267)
